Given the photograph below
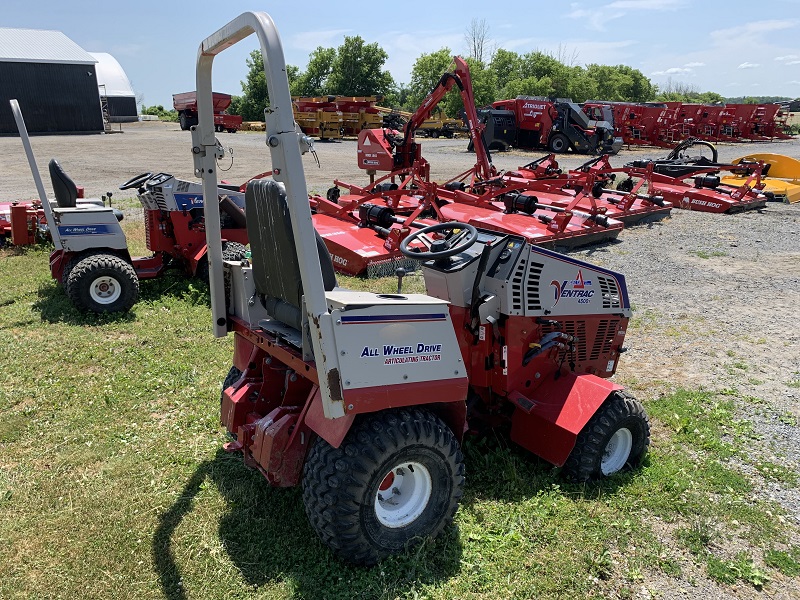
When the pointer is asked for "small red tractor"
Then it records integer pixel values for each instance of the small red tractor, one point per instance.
(186, 105)
(91, 257)
(364, 399)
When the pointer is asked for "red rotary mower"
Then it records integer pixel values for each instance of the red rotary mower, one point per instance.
(693, 182)
(364, 399)
(364, 227)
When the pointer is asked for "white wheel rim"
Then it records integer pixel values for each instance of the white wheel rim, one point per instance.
(617, 451)
(105, 290)
(406, 493)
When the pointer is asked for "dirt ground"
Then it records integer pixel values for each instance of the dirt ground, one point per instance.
(716, 297)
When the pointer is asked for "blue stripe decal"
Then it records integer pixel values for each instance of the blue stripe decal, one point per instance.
(353, 320)
(99, 229)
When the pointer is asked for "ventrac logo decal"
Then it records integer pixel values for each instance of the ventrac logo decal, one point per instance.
(578, 288)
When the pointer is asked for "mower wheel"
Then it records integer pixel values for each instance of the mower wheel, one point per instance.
(625, 185)
(616, 437)
(395, 480)
(558, 143)
(102, 283)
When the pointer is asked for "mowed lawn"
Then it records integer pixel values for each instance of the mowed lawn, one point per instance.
(113, 483)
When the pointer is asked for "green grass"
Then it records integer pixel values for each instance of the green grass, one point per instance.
(113, 483)
(710, 254)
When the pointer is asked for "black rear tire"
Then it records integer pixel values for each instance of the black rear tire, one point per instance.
(232, 377)
(183, 121)
(102, 283)
(396, 479)
(558, 143)
(230, 251)
(620, 424)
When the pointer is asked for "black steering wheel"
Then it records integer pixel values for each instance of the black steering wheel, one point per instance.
(456, 237)
(135, 182)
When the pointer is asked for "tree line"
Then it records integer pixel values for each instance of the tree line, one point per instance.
(357, 68)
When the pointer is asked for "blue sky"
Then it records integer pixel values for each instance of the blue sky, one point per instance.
(734, 47)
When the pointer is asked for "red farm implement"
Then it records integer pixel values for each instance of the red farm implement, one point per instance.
(363, 228)
(639, 124)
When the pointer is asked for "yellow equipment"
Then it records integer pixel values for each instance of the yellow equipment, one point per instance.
(783, 177)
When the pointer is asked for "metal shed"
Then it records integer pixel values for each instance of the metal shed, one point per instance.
(54, 80)
(116, 88)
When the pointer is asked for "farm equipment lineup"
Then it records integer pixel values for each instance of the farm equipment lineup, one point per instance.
(363, 399)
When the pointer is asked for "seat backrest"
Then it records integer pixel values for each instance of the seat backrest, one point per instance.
(276, 270)
(64, 188)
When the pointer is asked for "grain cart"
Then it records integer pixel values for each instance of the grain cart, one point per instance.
(363, 399)
(91, 257)
(186, 105)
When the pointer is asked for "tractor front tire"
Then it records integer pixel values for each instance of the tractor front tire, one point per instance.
(396, 479)
(232, 377)
(615, 438)
(558, 143)
(102, 283)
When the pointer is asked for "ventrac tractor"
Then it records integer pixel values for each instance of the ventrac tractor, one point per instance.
(364, 399)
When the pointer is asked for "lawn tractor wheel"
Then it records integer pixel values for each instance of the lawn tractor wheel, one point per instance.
(102, 283)
(616, 437)
(232, 377)
(559, 143)
(395, 480)
(233, 251)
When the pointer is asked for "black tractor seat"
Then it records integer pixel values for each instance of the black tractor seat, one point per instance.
(276, 270)
(67, 192)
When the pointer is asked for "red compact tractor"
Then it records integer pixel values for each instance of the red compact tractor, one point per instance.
(91, 257)
(364, 399)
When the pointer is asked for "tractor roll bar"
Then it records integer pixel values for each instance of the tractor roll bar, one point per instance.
(287, 166)
(37, 178)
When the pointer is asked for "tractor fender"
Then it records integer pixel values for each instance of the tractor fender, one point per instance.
(333, 431)
(548, 422)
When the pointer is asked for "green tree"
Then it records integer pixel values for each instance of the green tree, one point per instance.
(314, 81)
(254, 90)
(255, 96)
(426, 73)
(358, 69)
(484, 89)
(507, 66)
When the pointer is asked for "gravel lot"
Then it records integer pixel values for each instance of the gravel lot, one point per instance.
(716, 297)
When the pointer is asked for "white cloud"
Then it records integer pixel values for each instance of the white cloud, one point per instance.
(788, 57)
(594, 18)
(793, 62)
(748, 65)
(311, 40)
(692, 65)
(647, 4)
(734, 35)
(672, 71)
(795, 82)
